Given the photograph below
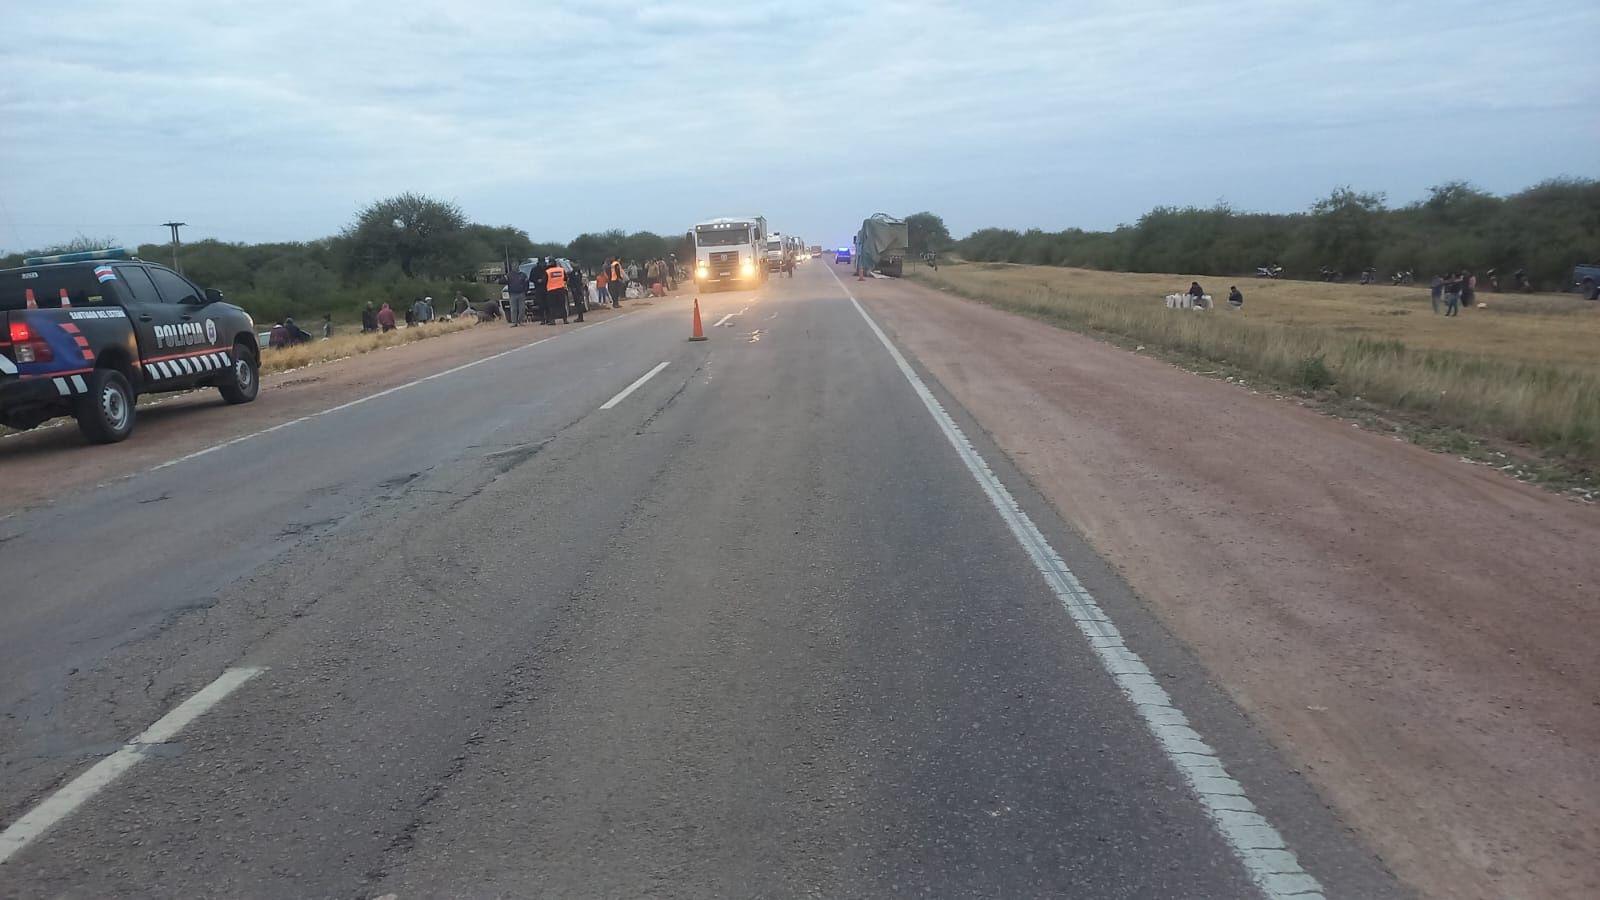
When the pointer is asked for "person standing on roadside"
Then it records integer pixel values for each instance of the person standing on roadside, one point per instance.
(617, 283)
(1469, 290)
(1452, 294)
(555, 291)
(369, 319)
(601, 295)
(1436, 287)
(385, 318)
(536, 290)
(577, 290)
(517, 288)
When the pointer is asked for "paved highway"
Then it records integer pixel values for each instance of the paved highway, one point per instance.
(620, 614)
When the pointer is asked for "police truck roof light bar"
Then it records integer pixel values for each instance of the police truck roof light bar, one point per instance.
(84, 256)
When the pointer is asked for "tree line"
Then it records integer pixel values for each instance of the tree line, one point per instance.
(395, 249)
(1545, 230)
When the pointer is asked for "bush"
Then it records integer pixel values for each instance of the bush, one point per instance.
(1546, 229)
(1312, 374)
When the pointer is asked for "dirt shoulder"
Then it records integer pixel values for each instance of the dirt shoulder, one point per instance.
(1418, 635)
(55, 459)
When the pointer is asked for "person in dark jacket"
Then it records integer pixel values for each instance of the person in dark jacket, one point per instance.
(369, 318)
(1235, 297)
(538, 291)
(517, 288)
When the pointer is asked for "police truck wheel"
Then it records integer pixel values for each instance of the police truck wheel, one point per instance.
(244, 379)
(105, 413)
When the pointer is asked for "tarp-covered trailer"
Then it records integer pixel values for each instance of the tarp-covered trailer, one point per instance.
(883, 243)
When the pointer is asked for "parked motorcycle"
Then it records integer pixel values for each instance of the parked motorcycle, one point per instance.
(1405, 277)
(1369, 276)
(1521, 280)
(1269, 271)
(1331, 274)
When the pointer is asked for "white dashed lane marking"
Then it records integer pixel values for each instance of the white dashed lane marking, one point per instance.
(63, 802)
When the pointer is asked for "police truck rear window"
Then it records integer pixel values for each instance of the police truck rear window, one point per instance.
(46, 284)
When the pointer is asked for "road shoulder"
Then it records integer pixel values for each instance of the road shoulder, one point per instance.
(1358, 627)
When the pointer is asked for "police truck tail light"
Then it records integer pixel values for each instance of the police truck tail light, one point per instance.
(28, 346)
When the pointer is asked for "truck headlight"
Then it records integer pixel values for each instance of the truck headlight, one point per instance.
(747, 268)
(701, 271)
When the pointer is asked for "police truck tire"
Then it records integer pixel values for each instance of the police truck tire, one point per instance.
(105, 413)
(243, 380)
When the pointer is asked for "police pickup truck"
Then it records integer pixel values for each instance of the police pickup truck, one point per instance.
(83, 334)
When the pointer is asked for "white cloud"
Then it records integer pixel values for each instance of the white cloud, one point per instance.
(258, 120)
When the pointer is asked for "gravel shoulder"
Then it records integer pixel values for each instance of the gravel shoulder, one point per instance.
(1416, 634)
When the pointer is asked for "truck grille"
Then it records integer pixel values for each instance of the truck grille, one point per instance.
(728, 259)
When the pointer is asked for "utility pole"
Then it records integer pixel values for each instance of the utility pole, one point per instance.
(175, 226)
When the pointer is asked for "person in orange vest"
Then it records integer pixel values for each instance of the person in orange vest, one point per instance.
(555, 291)
(617, 282)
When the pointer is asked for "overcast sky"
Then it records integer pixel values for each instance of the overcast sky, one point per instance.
(260, 121)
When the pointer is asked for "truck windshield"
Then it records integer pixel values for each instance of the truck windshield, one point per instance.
(722, 237)
(46, 284)
(774, 245)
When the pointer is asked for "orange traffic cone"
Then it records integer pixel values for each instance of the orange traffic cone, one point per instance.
(699, 332)
(66, 302)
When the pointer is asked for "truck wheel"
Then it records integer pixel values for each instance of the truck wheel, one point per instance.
(105, 413)
(244, 380)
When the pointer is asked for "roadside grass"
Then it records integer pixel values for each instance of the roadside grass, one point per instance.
(343, 345)
(1524, 370)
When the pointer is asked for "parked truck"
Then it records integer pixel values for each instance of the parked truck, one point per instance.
(730, 252)
(882, 245)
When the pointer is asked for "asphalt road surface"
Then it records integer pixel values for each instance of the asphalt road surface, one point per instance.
(755, 628)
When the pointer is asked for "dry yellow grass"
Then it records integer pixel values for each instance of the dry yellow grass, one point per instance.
(1524, 369)
(342, 345)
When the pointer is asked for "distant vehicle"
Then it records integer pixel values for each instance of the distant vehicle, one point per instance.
(816, 249)
(777, 250)
(729, 251)
(884, 242)
(84, 334)
(1586, 280)
(842, 256)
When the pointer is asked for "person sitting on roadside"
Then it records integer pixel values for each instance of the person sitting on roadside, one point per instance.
(1235, 297)
(385, 318)
(461, 306)
(296, 334)
(1196, 292)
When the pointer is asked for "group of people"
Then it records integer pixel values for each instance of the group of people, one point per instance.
(548, 283)
(1197, 294)
(1453, 291)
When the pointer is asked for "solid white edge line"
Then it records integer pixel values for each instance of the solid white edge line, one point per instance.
(623, 394)
(75, 793)
(1259, 847)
